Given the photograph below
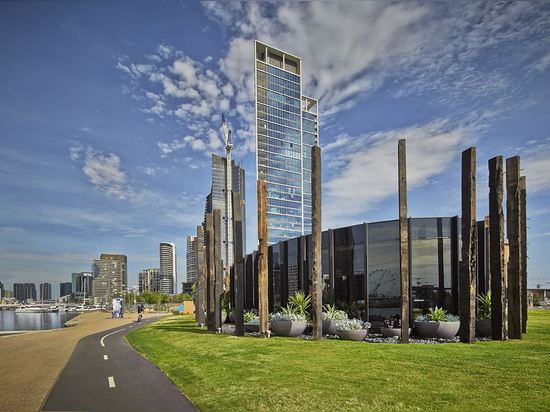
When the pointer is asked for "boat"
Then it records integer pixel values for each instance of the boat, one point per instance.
(54, 309)
(31, 309)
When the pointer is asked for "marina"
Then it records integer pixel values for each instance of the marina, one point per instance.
(12, 320)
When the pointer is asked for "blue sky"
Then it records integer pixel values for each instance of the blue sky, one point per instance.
(109, 111)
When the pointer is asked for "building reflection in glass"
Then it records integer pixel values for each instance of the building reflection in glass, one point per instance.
(350, 252)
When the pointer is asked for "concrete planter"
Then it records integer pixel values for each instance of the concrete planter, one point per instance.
(392, 332)
(356, 335)
(329, 327)
(483, 328)
(288, 327)
(251, 327)
(440, 330)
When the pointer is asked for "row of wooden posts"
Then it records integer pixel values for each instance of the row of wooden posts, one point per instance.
(508, 287)
(508, 283)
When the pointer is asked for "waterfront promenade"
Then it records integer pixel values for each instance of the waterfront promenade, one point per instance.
(32, 362)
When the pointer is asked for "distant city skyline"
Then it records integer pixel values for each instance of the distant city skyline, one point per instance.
(110, 113)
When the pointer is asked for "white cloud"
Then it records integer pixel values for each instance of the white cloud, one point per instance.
(165, 51)
(537, 166)
(367, 166)
(105, 173)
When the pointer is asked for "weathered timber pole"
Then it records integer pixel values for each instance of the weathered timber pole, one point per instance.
(263, 291)
(238, 265)
(468, 268)
(513, 212)
(201, 278)
(403, 238)
(209, 220)
(496, 249)
(523, 240)
(316, 275)
(218, 270)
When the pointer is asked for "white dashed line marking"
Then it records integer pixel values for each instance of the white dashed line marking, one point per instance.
(109, 334)
(105, 357)
(111, 382)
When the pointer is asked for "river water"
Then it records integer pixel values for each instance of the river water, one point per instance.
(9, 320)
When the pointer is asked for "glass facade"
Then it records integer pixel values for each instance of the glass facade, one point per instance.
(286, 130)
(373, 249)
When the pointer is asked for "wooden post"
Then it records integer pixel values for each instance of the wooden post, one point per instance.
(218, 270)
(496, 249)
(238, 266)
(316, 275)
(210, 272)
(468, 268)
(523, 240)
(403, 238)
(201, 278)
(262, 259)
(513, 212)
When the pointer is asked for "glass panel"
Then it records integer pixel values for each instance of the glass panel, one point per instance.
(383, 271)
(293, 269)
(430, 264)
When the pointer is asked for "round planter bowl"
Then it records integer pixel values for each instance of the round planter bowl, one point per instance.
(392, 332)
(356, 335)
(232, 317)
(251, 327)
(440, 330)
(483, 328)
(329, 327)
(288, 327)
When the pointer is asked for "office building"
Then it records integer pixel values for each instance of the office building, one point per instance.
(191, 258)
(1, 291)
(65, 288)
(149, 280)
(45, 291)
(286, 129)
(168, 268)
(218, 199)
(82, 283)
(109, 274)
(24, 291)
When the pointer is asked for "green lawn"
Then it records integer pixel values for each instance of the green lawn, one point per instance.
(227, 373)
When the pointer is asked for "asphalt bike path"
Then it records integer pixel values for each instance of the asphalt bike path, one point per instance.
(105, 373)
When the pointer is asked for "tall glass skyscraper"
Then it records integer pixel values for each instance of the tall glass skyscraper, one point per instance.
(286, 129)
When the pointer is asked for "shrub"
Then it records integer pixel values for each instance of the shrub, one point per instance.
(249, 316)
(352, 324)
(301, 302)
(437, 314)
(288, 313)
(331, 313)
(484, 306)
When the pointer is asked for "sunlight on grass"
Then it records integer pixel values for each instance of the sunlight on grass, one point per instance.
(228, 373)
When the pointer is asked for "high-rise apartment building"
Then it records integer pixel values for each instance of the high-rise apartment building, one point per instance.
(45, 291)
(286, 129)
(109, 275)
(168, 268)
(82, 283)
(24, 291)
(149, 280)
(191, 258)
(122, 259)
(65, 288)
(1, 291)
